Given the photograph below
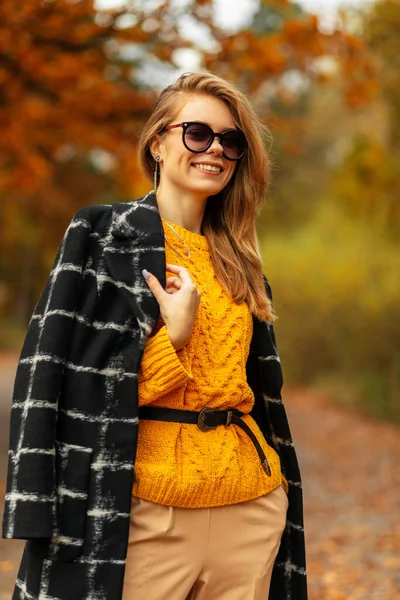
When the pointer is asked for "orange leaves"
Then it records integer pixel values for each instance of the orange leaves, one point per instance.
(72, 72)
(164, 53)
(305, 40)
(68, 79)
(294, 30)
(35, 108)
(246, 52)
(357, 93)
(286, 39)
(54, 88)
(35, 169)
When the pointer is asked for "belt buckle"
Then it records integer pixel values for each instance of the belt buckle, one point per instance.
(201, 421)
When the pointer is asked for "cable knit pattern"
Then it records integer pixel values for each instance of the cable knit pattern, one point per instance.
(176, 463)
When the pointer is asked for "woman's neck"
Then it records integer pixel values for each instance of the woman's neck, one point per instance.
(181, 208)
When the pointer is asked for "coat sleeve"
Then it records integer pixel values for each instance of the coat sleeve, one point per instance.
(269, 294)
(30, 492)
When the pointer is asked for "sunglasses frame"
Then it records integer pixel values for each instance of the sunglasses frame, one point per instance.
(214, 135)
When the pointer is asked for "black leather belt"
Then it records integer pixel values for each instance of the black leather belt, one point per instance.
(206, 419)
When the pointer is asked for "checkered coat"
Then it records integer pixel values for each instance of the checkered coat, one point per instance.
(74, 417)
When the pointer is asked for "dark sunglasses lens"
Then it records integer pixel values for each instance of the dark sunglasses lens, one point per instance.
(198, 137)
(234, 144)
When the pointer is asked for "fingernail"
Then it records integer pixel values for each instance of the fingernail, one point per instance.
(145, 274)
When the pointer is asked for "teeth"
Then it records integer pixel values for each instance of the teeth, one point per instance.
(208, 168)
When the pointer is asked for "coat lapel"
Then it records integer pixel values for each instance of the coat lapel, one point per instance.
(136, 242)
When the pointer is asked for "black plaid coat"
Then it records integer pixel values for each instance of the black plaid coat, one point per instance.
(74, 416)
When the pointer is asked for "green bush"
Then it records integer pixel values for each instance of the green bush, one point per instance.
(336, 289)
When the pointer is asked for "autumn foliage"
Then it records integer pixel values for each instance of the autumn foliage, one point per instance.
(66, 88)
(77, 84)
(70, 76)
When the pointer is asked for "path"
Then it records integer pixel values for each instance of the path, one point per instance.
(351, 475)
(350, 466)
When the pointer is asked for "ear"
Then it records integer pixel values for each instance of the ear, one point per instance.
(155, 145)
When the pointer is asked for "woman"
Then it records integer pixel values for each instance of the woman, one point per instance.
(152, 345)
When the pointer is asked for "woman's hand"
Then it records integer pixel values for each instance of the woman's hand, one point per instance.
(178, 303)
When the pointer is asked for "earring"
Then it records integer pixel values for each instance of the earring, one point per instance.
(156, 171)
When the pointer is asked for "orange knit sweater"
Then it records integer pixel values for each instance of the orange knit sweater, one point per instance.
(176, 463)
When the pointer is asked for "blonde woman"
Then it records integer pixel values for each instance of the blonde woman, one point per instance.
(150, 454)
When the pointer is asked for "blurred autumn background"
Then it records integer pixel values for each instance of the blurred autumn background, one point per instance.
(77, 81)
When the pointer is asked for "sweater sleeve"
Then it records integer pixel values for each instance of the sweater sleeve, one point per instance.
(162, 369)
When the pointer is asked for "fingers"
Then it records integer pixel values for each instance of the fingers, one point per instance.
(173, 285)
(174, 282)
(154, 285)
(179, 313)
(182, 273)
(173, 268)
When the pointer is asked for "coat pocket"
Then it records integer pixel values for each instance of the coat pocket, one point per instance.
(73, 471)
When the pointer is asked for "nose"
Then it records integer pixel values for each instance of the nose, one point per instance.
(216, 147)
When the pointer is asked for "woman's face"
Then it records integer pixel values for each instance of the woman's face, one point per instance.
(203, 174)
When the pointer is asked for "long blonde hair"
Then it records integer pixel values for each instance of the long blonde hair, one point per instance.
(229, 221)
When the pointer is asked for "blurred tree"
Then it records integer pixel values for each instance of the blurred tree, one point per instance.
(68, 84)
(283, 52)
(282, 59)
(77, 83)
(333, 225)
(382, 26)
(367, 183)
(71, 77)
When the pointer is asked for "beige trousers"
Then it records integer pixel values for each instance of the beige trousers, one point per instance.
(219, 553)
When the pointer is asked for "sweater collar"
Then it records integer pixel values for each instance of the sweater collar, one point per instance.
(195, 241)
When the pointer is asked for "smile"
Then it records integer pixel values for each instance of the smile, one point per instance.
(204, 167)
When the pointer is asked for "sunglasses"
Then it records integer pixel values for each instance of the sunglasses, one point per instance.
(198, 137)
